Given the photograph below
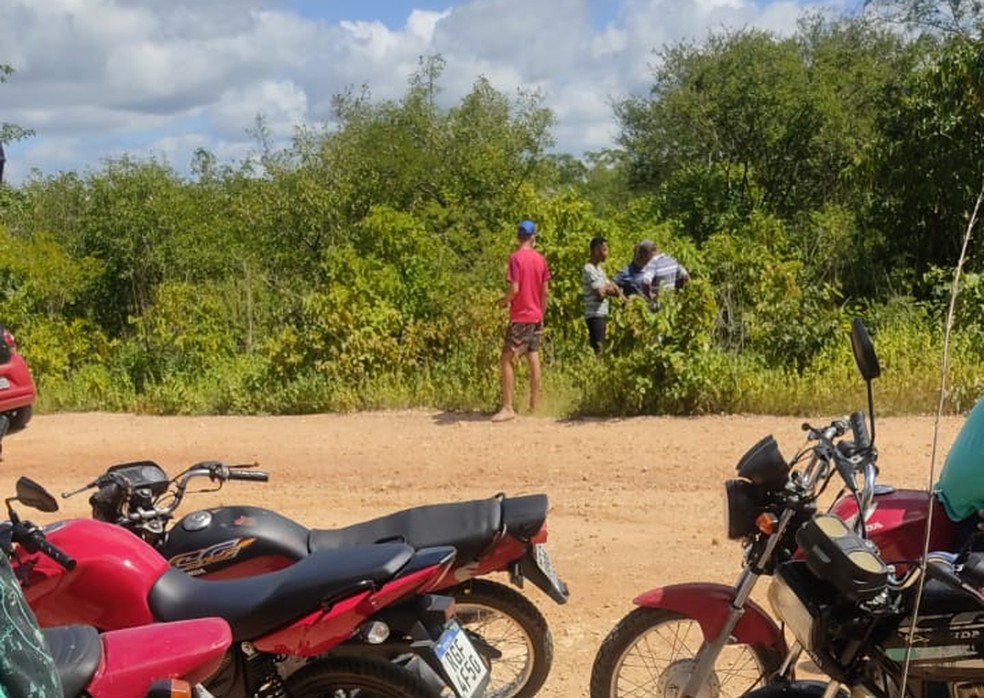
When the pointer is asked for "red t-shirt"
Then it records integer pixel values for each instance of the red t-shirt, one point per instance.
(528, 268)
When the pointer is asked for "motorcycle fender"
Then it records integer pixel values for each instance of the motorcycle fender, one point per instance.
(709, 604)
(539, 570)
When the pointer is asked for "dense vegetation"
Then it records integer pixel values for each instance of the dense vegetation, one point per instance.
(802, 180)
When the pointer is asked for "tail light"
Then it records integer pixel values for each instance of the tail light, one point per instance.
(8, 338)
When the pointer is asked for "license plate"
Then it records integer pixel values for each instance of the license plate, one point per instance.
(542, 559)
(462, 664)
(4, 383)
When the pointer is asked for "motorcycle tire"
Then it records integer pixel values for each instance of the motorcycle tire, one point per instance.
(510, 623)
(651, 651)
(334, 677)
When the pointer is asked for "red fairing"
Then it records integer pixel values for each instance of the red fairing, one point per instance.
(109, 586)
(135, 657)
(323, 630)
(708, 604)
(897, 523)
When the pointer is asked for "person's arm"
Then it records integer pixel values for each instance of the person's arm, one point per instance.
(595, 278)
(543, 294)
(683, 276)
(509, 294)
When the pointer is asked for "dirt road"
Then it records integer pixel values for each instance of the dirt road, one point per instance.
(635, 503)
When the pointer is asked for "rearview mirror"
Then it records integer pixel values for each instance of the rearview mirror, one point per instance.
(31, 494)
(864, 351)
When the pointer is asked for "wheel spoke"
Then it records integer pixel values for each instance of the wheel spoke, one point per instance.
(661, 658)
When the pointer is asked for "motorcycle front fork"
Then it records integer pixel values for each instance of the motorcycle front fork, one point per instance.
(710, 651)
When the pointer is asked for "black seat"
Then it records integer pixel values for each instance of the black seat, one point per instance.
(76, 650)
(257, 605)
(942, 599)
(468, 526)
(523, 517)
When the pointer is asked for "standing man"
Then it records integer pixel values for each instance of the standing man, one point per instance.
(527, 276)
(596, 289)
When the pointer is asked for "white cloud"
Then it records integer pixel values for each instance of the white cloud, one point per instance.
(99, 77)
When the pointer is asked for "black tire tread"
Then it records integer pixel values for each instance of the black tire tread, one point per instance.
(20, 417)
(380, 678)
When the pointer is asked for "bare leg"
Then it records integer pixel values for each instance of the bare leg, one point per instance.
(534, 360)
(506, 374)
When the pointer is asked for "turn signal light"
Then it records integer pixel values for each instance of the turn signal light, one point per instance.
(766, 522)
(170, 688)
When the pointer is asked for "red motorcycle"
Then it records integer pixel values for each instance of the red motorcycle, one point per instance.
(158, 660)
(137, 662)
(499, 534)
(702, 640)
(367, 605)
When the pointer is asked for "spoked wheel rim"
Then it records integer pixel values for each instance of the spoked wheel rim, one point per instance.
(661, 660)
(513, 669)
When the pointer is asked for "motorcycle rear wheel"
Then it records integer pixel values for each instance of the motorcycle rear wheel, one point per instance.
(344, 677)
(510, 623)
(651, 652)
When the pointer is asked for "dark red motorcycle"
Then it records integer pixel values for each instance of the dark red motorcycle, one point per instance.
(337, 623)
(704, 640)
(499, 534)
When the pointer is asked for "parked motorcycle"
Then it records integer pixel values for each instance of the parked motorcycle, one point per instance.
(152, 661)
(868, 625)
(704, 640)
(368, 605)
(491, 535)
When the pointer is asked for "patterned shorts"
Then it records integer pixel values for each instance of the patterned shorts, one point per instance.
(523, 337)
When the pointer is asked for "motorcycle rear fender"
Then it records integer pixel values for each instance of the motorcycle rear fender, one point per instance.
(709, 604)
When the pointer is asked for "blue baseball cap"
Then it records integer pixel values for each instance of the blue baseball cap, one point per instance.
(526, 228)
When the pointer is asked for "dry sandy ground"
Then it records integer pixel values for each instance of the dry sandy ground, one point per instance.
(635, 503)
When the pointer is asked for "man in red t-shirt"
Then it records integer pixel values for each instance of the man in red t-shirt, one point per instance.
(526, 297)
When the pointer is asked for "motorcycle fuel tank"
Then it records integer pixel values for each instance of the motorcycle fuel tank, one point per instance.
(896, 523)
(234, 541)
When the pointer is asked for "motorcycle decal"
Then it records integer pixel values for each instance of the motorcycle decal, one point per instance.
(197, 561)
(939, 630)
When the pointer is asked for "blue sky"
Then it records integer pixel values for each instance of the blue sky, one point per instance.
(103, 78)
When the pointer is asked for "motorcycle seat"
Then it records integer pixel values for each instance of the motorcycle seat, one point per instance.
(470, 527)
(76, 650)
(254, 606)
(523, 516)
(940, 599)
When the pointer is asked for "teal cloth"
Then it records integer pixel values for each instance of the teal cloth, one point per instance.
(26, 667)
(961, 484)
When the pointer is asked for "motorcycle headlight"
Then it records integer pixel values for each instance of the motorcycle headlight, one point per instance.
(763, 465)
(743, 503)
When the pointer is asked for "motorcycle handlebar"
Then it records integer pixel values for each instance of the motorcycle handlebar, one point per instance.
(33, 539)
(253, 475)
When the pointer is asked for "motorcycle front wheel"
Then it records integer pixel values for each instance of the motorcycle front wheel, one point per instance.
(348, 677)
(512, 625)
(652, 652)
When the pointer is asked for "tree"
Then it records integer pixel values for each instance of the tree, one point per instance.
(928, 163)
(939, 17)
(9, 132)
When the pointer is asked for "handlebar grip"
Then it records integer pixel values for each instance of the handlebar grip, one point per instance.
(859, 426)
(254, 475)
(51, 551)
